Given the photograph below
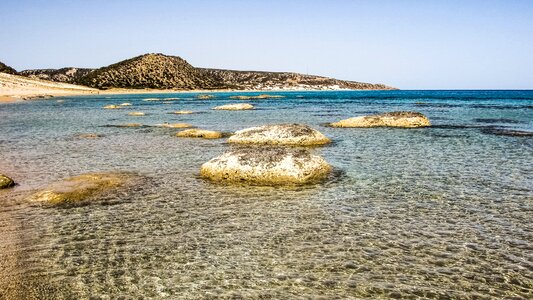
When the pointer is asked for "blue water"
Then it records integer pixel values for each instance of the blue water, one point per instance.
(439, 212)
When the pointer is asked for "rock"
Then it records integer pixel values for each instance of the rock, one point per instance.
(200, 133)
(267, 166)
(126, 104)
(204, 97)
(128, 125)
(6, 182)
(80, 188)
(111, 106)
(241, 106)
(241, 97)
(174, 125)
(136, 113)
(183, 112)
(391, 119)
(280, 134)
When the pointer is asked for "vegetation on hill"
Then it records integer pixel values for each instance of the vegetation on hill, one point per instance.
(158, 71)
(7, 69)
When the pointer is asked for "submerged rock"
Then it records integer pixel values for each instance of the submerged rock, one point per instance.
(267, 165)
(280, 134)
(80, 188)
(126, 104)
(203, 97)
(6, 182)
(136, 114)
(507, 132)
(262, 96)
(183, 112)
(200, 133)
(174, 125)
(390, 119)
(112, 106)
(240, 106)
(89, 135)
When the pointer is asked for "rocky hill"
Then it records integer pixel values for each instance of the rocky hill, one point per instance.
(7, 69)
(257, 80)
(66, 75)
(158, 71)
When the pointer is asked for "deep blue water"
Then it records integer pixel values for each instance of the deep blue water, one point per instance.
(439, 212)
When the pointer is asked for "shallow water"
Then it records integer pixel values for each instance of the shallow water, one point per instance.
(443, 212)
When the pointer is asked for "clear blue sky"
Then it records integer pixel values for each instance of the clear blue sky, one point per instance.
(422, 44)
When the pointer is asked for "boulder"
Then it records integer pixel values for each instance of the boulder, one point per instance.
(136, 114)
(200, 133)
(6, 182)
(404, 119)
(240, 106)
(267, 166)
(77, 189)
(280, 134)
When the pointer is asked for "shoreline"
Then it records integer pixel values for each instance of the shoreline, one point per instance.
(23, 95)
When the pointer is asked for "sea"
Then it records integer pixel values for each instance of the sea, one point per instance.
(443, 212)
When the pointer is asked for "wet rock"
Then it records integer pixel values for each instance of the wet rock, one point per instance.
(204, 97)
(267, 166)
(112, 106)
(200, 133)
(78, 189)
(241, 106)
(6, 182)
(125, 104)
(262, 96)
(174, 125)
(280, 134)
(390, 119)
(136, 114)
(183, 112)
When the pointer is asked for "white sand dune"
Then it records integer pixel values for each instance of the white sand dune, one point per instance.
(15, 86)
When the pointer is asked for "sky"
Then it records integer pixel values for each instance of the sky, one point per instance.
(468, 44)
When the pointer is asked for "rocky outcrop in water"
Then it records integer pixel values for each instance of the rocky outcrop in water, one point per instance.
(280, 134)
(6, 182)
(267, 166)
(200, 133)
(7, 69)
(390, 119)
(239, 106)
(79, 189)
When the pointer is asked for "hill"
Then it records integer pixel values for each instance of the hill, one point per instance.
(158, 71)
(67, 75)
(7, 69)
(155, 71)
(258, 80)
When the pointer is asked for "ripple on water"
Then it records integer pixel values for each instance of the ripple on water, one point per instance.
(440, 212)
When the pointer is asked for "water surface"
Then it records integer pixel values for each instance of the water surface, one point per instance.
(442, 212)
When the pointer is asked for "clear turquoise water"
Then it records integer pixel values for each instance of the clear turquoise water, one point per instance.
(442, 212)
